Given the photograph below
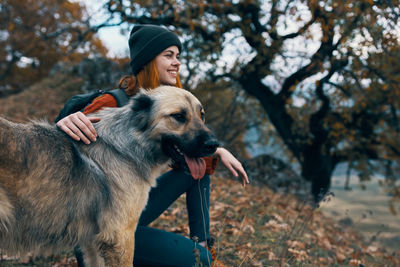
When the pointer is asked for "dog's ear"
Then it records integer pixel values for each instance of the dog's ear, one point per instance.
(142, 102)
(141, 108)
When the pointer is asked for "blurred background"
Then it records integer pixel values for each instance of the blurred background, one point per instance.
(306, 93)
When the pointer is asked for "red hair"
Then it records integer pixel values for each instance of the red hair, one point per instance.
(147, 78)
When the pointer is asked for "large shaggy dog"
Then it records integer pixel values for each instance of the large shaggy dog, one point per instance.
(56, 193)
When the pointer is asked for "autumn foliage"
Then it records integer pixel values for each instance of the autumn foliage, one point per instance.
(36, 35)
(326, 73)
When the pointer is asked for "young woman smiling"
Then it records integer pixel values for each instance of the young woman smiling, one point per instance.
(154, 53)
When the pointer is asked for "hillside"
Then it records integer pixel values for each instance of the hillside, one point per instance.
(42, 100)
(366, 208)
(256, 227)
(253, 226)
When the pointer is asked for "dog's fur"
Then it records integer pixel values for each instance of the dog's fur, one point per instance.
(56, 193)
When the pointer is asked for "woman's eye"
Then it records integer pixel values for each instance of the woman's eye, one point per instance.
(203, 116)
(179, 117)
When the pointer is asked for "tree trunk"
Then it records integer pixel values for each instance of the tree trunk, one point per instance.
(317, 168)
(316, 163)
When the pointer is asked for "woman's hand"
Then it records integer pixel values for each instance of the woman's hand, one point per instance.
(79, 127)
(232, 164)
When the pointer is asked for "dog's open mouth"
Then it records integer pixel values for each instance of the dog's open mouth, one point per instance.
(189, 159)
(197, 166)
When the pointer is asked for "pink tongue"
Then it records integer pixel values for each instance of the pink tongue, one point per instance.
(197, 167)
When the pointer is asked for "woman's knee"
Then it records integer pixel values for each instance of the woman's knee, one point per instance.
(155, 247)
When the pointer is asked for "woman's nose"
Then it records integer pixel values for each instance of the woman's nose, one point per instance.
(176, 62)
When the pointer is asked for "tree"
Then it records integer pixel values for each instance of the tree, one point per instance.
(323, 71)
(35, 35)
(227, 113)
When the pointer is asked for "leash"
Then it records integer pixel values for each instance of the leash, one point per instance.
(202, 212)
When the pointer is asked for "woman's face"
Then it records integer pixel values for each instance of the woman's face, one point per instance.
(167, 64)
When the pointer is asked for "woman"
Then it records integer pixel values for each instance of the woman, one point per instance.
(154, 53)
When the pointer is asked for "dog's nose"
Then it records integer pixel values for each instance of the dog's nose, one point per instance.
(211, 145)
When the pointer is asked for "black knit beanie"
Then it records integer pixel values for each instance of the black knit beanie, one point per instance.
(146, 42)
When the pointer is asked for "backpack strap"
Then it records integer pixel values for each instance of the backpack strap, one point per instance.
(120, 96)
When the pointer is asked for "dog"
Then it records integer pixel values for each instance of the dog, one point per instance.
(56, 193)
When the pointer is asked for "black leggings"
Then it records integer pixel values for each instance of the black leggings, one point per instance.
(154, 247)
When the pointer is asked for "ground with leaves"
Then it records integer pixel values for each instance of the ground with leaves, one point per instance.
(256, 227)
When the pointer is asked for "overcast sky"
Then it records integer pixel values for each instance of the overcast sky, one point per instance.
(111, 37)
(115, 42)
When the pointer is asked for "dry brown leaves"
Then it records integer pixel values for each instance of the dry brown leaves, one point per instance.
(256, 227)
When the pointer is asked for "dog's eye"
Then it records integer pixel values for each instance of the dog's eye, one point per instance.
(203, 116)
(179, 117)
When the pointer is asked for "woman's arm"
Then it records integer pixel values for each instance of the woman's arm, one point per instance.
(80, 127)
(232, 164)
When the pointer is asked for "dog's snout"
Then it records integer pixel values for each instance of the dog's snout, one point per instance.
(211, 144)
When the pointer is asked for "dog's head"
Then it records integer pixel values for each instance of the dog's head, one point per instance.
(174, 118)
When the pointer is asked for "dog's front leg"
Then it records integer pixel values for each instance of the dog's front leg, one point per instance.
(120, 253)
(91, 257)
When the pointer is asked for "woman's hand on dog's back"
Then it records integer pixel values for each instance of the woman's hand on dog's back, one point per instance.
(79, 127)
